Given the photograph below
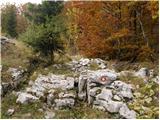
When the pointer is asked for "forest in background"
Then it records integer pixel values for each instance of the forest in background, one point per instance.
(125, 31)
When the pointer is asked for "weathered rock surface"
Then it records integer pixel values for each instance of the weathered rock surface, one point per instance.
(143, 73)
(105, 92)
(49, 115)
(56, 89)
(16, 73)
(10, 112)
(100, 88)
(85, 63)
(25, 98)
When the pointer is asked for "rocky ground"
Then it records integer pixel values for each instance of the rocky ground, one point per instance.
(81, 88)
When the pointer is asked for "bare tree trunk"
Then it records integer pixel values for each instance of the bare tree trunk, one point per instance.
(142, 29)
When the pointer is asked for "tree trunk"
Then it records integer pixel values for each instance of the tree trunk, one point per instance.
(142, 28)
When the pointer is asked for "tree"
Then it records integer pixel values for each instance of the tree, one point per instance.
(8, 14)
(41, 12)
(45, 38)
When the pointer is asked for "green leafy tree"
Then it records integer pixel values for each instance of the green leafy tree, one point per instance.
(8, 15)
(45, 38)
(39, 13)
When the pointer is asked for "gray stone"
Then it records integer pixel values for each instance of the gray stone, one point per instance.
(106, 95)
(16, 74)
(116, 97)
(126, 113)
(84, 61)
(10, 112)
(49, 115)
(102, 66)
(110, 106)
(66, 95)
(143, 73)
(51, 81)
(156, 79)
(25, 98)
(99, 107)
(104, 76)
(122, 89)
(66, 102)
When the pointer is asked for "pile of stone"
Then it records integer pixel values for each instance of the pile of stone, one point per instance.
(104, 92)
(85, 63)
(16, 75)
(56, 90)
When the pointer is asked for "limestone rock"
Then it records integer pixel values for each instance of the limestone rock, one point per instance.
(66, 102)
(16, 74)
(25, 98)
(84, 61)
(49, 115)
(10, 112)
(126, 113)
(122, 89)
(143, 73)
(106, 95)
(104, 76)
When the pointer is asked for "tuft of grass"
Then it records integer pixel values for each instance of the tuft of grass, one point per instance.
(81, 111)
(132, 80)
(50, 69)
(25, 111)
(94, 66)
(15, 55)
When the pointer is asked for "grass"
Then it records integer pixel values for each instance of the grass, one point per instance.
(50, 69)
(94, 66)
(132, 80)
(15, 55)
(21, 111)
(81, 111)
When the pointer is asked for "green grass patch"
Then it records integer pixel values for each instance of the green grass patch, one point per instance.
(25, 111)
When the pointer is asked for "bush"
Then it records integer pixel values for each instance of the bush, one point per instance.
(45, 38)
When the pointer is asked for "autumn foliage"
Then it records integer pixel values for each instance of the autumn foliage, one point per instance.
(116, 30)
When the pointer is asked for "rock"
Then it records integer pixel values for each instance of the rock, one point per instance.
(98, 61)
(116, 97)
(30, 82)
(102, 66)
(66, 95)
(25, 98)
(66, 102)
(151, 73)
(84, 61)
(104, 76)
(10, 112)
(110, 106)
(16, 74)
(105, 94)
(50, 99)
(51, 81)
(126, 113)
(49, 115)
(156, 79)
(40, 110)
(99, 107)
(122, 89)
(143, 73)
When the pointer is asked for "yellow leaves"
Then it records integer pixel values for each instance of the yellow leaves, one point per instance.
(121, 33)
